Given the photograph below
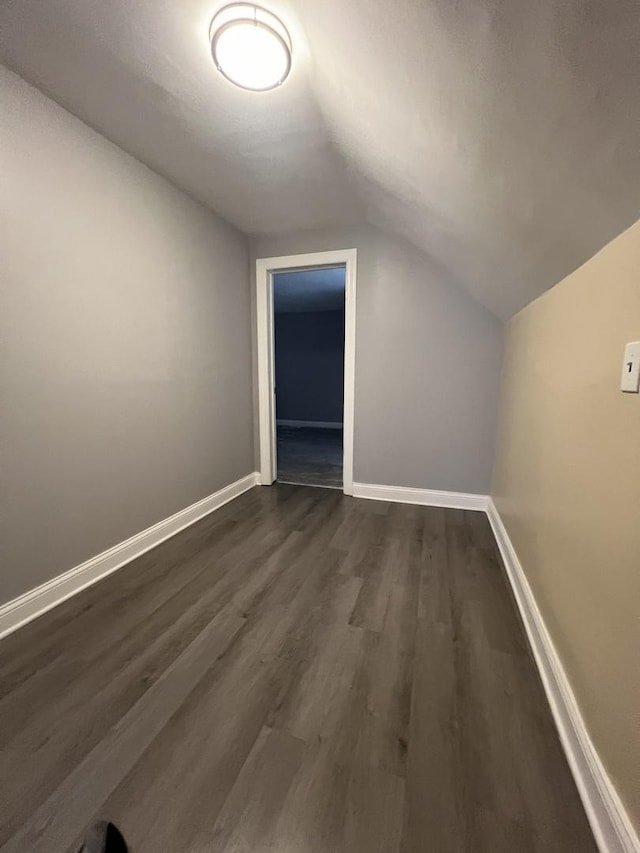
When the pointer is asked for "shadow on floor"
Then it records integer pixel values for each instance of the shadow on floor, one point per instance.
(310, 456)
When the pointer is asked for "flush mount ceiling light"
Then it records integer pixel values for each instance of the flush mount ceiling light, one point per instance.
(250, 46)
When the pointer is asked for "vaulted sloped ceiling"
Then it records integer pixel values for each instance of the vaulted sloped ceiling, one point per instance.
(501, 137)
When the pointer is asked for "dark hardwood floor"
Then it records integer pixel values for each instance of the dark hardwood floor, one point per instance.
(300, 672)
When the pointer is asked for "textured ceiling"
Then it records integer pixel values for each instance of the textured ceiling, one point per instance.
(309, 290)
(501, 137)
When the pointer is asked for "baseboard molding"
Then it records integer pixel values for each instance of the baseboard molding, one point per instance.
(14, 614)
(309, 424)
(424, 497)
(609, 821)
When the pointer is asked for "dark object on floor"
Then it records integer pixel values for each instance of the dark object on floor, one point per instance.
(104, 837)
(299, 671)
(310, 456)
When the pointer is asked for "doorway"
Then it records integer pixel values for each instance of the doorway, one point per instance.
(308, 308)
(306, 367)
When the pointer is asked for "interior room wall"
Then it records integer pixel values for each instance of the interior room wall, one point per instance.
(125, 332)
(309, 365)
(428, 360)
(567, 486)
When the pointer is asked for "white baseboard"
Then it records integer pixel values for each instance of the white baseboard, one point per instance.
(308, 424)
(609, 821)
(37, 601)
(424, 497)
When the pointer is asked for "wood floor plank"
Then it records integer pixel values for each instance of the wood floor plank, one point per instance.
(384, 731)
(298, 671)
(375, 808)
(249, 816)
(433, 783)
(314, 814)
(317, 664)
(377, 571)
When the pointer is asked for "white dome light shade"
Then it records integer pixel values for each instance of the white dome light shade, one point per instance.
(250, 47)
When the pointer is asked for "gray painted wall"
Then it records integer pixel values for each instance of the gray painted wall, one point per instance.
(310, 365)
(428, 360)
(125, 333)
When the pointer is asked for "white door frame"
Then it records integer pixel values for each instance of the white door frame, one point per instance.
(265, 267)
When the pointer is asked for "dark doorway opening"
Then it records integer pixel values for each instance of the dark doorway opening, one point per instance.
(309, 307)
